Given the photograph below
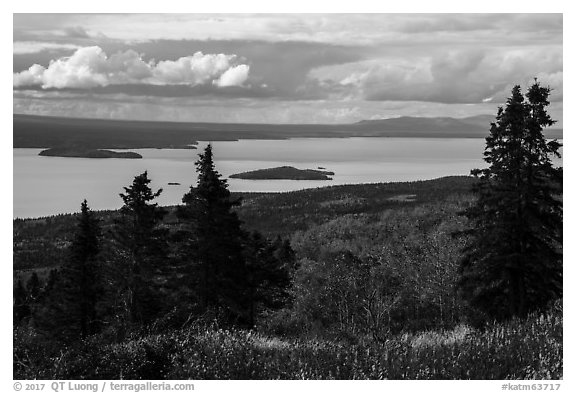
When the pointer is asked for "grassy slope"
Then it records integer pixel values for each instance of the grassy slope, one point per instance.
(530, 349)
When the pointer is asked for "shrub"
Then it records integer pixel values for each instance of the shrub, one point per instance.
(518, 349)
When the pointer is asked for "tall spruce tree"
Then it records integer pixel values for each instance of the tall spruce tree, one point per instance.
(85, 249)
(513, 263)
(70, 309)
(212, 246)
(142, 248)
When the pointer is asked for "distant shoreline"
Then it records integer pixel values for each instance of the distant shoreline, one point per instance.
(246, 195)
(560, 137)
(31, 131)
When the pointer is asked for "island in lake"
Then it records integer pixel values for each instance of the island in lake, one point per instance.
(87, 153)
(284, 173)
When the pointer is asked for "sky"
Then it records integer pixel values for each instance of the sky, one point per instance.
(281, 68)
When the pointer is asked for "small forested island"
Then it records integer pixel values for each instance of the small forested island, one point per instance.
(284, 173)
(87, 153)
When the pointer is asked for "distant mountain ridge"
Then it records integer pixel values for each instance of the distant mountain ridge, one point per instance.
(30, 131)
(431, 123)
(473, 126)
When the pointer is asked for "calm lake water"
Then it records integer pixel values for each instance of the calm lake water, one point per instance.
(51, 185)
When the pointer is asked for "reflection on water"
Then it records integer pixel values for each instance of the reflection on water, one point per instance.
(51, 185)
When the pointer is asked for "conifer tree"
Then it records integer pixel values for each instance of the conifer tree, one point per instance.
(70, 310)
(142, 248)
(513, 263)
(85, 249)
(213, 245)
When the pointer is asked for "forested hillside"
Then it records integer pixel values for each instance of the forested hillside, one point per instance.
(377, 266)
(42, 242)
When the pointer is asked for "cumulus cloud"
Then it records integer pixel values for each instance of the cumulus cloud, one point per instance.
(195, 69)
(234, 76)
(91, 67)
(31, 77)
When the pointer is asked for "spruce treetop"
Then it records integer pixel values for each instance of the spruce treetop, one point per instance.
(210, 186)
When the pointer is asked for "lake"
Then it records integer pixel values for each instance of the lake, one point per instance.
(51, 185)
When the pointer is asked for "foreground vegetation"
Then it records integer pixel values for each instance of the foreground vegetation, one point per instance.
(527, 349)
